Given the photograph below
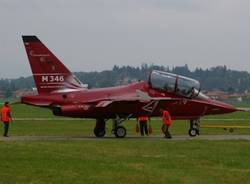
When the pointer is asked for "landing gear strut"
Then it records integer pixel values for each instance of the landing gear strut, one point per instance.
(99, 129)
(118, 130)
(194, 128)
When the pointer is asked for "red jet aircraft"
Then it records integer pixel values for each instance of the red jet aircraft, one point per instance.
(59, 90)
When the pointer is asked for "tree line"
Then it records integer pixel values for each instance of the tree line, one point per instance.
(215, 78)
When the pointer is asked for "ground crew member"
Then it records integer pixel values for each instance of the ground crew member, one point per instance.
(143, 120)
(5, 118)
(167, 121)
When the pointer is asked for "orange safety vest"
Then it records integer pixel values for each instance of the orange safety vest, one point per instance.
(166, 118)
(143, 118)
(5, 114)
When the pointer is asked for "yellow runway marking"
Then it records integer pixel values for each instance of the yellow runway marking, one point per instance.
(224, 126)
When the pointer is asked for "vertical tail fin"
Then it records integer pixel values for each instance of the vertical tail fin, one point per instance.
(49, 72)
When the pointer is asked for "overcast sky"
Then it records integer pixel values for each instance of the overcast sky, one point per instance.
(89, 35)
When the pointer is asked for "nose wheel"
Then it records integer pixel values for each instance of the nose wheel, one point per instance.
(193, 132)
(194, 128)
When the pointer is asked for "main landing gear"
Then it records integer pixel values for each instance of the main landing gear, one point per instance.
(99, 129)
(117, 129)
(194, 128)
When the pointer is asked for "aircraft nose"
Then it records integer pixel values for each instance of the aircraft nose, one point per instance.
(220, 108)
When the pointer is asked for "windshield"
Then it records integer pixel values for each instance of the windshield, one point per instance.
(173, 83)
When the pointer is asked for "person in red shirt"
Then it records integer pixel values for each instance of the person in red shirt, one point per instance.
(143, 120)
(5, 118)
(167, 122)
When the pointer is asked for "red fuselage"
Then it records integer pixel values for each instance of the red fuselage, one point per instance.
(125, 101)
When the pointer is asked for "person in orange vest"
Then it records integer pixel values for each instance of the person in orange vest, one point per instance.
(5, 118)
(167, 122)
(143, 120)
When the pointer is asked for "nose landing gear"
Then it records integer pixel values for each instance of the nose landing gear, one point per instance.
(194, 128)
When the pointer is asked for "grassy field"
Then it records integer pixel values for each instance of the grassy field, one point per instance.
(121, 160)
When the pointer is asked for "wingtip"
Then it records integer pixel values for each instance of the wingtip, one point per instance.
(243, 109)
(31, 38)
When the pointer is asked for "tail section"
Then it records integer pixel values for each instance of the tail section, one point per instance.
(49, 72)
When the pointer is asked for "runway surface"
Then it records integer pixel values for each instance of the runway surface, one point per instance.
(89, 138)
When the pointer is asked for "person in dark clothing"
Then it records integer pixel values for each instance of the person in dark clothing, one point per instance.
(143, 121)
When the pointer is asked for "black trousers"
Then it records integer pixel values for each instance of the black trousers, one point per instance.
(165, 130)
(6, 128)
(143, 127)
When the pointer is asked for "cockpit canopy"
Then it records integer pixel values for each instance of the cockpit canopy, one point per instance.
(173, 83)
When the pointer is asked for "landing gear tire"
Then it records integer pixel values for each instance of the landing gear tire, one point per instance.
(193, 132)
(99, 129)
(120, 132)
(99, 132)
(194, 128)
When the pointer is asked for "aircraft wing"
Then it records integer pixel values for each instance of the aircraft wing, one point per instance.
(149, 105)
(107, 102)
(140, 96)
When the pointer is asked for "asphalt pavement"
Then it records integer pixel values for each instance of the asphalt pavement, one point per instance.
(92, 138)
